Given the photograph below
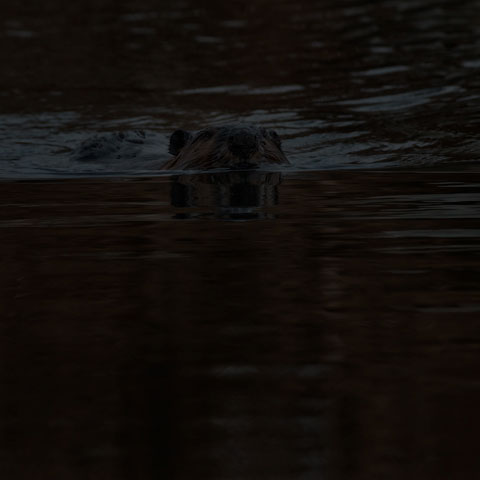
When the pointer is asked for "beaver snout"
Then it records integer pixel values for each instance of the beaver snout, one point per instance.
(243, 145)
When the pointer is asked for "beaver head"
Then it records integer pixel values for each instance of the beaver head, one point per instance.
(230, 146)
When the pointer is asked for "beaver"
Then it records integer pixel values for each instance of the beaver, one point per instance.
(241, 146)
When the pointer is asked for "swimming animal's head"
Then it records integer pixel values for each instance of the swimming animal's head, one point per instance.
(239, 146)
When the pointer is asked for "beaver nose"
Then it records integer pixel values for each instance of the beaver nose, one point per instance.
(243, 144)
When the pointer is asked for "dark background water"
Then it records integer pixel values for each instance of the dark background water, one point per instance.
(345, 83)
(316, 322)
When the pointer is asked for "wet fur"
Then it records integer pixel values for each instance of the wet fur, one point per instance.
(210, 149)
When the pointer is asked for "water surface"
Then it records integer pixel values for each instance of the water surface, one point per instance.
(346, 84)
(317, 321)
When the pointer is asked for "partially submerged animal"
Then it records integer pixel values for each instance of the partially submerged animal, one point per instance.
(233, 147)
(240, 146)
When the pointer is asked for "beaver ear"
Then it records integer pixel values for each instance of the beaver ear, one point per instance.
(178, 140)
(275, 138)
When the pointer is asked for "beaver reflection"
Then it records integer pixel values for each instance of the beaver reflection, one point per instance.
(236, 195)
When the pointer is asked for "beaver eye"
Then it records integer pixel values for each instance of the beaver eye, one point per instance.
(178, 140)
(275, 138)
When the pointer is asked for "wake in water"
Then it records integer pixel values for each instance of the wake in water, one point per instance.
(352, 135)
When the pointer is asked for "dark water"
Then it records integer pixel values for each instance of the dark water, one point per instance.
(315, 322)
